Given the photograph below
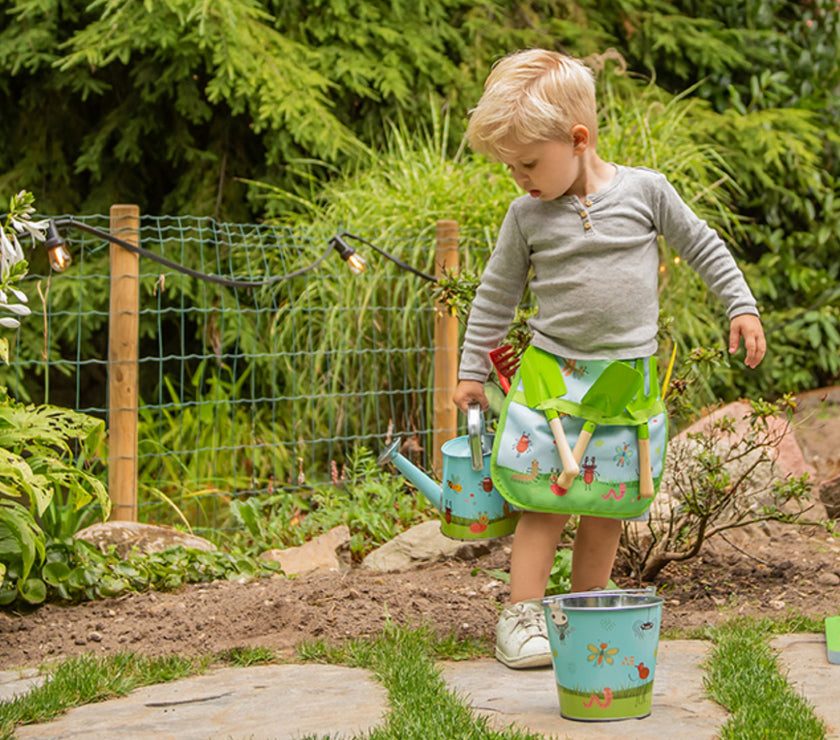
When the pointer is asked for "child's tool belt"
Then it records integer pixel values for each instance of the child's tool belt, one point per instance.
(612, 417)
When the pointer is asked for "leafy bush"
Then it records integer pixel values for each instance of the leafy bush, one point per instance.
(372, 503)
(44, 486)
(75, 570)
(717, 480)
(47, 453)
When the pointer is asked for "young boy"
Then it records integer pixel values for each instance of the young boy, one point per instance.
(586, 233)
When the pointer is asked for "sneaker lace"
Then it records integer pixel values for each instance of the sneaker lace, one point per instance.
(528, 620)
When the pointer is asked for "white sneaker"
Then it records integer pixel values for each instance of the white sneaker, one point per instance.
(521, 636)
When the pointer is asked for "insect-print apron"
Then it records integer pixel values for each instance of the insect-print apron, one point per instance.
(525, 464)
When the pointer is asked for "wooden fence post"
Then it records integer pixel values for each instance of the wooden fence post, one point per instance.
(446, 346)
(123, 329)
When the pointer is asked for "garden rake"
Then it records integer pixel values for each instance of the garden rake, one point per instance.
(506, 362)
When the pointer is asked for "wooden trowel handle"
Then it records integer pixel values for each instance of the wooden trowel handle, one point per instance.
(570, 468)
(583, 440)
(567, 477)
(646, 489)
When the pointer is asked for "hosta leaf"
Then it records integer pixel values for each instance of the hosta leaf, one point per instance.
(18, 525)
(33, 590)
(54, 573)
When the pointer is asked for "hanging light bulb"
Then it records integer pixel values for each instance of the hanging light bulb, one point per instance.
(354, 260)
(60, 257)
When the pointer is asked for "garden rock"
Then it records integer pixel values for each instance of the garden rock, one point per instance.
(830, 496)
(147, 538)
(787, 455)
(424, 543)
(319, 554)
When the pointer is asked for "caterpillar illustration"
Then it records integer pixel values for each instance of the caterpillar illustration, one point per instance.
(595, 699)
(622, 489)
(528, 477)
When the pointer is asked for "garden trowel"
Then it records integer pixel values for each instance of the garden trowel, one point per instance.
(609, 394)
(642, 402)
(542, 380)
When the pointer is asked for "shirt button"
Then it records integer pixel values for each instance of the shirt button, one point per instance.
(583, 214)
(587, 225)
(588, 203)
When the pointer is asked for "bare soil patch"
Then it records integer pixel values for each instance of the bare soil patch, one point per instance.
(763, 572)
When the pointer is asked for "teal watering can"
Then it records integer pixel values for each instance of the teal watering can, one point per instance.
(471, 508)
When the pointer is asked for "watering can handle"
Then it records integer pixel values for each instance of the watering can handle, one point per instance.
(475, 431)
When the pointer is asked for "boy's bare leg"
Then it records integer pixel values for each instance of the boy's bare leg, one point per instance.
(596, 543)
(534, 544)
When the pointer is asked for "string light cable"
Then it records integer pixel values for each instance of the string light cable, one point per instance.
(55, 240)
(56, 245)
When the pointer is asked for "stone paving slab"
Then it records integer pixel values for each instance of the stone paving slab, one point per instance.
(286, 702)
(805, 659)
(275, 702)
(528, 699)
(15, 683)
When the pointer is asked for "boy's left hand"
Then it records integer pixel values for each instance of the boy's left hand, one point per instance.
(749, 327)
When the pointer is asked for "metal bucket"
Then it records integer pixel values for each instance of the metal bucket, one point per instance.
(604, 646)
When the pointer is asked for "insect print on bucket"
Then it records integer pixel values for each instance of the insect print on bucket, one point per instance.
(561, 621)
(602, 655)
(642, 629)
(522, 445)
(639, 672)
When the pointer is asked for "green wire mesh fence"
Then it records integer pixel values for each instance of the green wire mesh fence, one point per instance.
(241, 391)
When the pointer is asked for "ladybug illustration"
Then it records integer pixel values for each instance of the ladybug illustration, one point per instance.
(589, 469)
(479, 526)
(555, 487)
(523, 444)
(448, 515)
(487, 484)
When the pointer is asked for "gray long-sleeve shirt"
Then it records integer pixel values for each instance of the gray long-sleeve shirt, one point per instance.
(595, 271)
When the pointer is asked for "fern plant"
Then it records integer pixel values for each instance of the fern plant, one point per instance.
(45, 451)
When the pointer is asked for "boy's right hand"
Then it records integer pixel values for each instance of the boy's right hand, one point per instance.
(470, 391)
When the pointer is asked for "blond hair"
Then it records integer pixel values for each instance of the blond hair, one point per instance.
(530, 96)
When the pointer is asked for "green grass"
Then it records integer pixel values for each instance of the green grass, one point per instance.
(742, 675)
(422, 706)
(88, 679)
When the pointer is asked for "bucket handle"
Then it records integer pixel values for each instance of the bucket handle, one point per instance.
(477, 437)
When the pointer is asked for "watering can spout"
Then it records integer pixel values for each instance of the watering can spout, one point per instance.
(470, 506)
(429, 488)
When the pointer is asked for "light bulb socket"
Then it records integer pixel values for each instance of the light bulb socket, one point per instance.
(60, 257)
(354, 261)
